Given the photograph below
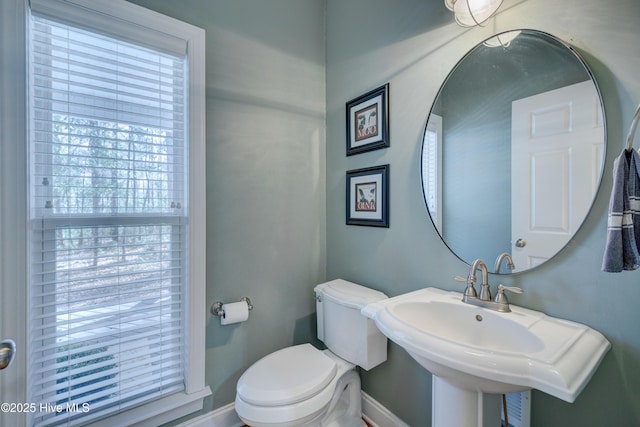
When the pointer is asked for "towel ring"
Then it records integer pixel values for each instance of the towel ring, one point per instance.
(632, 130)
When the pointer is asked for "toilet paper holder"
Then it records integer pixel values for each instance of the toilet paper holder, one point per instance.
(216, 308)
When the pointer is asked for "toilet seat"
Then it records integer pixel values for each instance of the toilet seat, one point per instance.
(287, 376)
(318, 373)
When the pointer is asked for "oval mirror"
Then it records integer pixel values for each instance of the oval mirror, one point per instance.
(513, 150)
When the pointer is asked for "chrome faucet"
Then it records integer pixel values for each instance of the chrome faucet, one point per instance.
(504, 256)
(470, 291)
(501, 303)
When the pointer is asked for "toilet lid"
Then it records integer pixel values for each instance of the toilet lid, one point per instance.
(286, 376)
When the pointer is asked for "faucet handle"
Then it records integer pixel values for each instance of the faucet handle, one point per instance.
(514, 289)
(469, 291)
(501, 298)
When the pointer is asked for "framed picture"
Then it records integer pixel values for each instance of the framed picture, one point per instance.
(368, 121)
(368, 196)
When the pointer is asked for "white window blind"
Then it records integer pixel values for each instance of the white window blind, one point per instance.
(432, 168)
(108, 197)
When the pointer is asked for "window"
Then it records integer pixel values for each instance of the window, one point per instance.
(432, 168)
(115, 264)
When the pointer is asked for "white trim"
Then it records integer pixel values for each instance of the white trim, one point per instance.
(372, 411)
(13, 191)
(377, 415)
(195, 340)
(157, 412)
(222, 417)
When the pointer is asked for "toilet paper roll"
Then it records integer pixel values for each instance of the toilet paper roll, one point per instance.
(234, 312)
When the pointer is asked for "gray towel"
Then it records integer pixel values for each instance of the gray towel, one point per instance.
(622, 251)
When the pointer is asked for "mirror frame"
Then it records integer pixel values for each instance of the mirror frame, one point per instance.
(577, 56)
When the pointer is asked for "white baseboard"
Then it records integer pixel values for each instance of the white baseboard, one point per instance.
(377, 415)
(372, 411)
(224, 416)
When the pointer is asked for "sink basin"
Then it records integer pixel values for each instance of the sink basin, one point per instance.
(484, 351)
(459, 323)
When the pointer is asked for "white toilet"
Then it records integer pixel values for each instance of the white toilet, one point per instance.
(303, 386)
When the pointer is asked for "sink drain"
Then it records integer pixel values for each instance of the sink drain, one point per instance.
(478, 318)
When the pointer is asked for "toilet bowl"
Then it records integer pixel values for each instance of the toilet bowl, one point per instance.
(304, 386)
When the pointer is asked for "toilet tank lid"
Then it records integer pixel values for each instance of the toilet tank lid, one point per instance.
(348, 293)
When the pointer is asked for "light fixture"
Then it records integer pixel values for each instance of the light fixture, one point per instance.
(472, 12)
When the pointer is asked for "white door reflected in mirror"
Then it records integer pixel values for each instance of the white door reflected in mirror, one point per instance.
(557, 155)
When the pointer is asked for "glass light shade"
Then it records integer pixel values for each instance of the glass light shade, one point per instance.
(503, 39)
(474, 12)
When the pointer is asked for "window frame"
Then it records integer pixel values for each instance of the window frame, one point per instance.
(99, 13)
(13, 202)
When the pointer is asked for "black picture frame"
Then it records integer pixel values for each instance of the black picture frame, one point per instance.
(368, 121)
(367, 196)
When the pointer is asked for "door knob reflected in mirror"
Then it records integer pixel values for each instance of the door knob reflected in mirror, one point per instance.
(521, 243)
(7, 352)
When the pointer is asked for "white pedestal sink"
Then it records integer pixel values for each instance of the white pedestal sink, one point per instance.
(476, 354)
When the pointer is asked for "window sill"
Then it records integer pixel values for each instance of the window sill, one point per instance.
(158, 412)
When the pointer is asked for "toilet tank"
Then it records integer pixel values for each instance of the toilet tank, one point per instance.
(347, 333)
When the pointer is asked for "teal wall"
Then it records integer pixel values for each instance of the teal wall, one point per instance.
(265, 174)
(413, 44)
(276, 91)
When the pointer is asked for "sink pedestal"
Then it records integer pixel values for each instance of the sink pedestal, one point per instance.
(453, 406)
